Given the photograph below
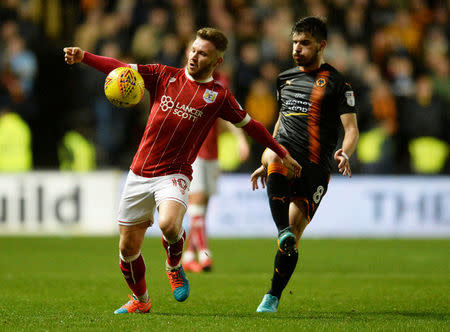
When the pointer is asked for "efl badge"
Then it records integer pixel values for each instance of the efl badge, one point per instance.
(209, 96)
(350, 96)
(321, 82)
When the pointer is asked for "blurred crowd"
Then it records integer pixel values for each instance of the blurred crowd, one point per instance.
(394, 52)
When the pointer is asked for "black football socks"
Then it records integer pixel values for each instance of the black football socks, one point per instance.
(283, 270)
(279, 199)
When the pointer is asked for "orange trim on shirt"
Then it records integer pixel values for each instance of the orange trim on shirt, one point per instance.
(316, 98)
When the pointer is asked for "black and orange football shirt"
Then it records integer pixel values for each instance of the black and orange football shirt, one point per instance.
(311, 104)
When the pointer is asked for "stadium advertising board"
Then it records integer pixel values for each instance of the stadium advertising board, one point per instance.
(59, 203)
(86, 204)
(362, 206)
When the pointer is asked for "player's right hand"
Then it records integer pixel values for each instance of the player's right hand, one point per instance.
(73, 55)
(343, 163)
(260, 173)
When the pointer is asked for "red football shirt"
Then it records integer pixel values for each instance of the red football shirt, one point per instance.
(182, 111)
(209, 150)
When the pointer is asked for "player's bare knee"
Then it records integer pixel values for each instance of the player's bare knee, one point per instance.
(128, 248)
(169, 228)
(131, 238)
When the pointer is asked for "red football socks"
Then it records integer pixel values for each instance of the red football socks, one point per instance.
(174, 250)
(198, 232)
(134, 273)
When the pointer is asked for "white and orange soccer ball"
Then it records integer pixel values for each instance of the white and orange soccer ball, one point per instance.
(124, 87)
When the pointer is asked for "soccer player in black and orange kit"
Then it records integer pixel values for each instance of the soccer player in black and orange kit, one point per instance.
(314, 100)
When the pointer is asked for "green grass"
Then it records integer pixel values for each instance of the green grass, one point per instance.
(74, 284)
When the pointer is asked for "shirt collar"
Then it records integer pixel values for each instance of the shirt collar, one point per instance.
(209, 79)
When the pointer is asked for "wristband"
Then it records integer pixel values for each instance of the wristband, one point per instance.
(343, 154)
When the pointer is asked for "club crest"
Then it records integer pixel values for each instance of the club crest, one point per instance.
(321, 82)
(209, 96)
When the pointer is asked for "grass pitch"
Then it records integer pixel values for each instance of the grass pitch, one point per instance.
(74, 284)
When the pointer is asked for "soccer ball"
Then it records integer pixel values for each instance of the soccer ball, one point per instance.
(124, 87)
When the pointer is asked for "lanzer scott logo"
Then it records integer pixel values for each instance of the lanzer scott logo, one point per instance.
(321, 82)
(183, 111)
(209, 96)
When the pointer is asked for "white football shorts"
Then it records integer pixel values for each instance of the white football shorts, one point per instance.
(142, 195)
(204, 176)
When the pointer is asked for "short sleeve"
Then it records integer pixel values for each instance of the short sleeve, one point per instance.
(232, 111)
(346, 98)
(279, 92)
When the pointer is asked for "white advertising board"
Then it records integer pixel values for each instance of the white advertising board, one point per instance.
(363, 206)
(86, 204)
(59, 203)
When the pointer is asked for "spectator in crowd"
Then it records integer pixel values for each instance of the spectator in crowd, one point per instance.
(15, 154)
(261, 105)
(170, 53)
(18, 70)
(424, 123)
(76, 153)
(148, 38)
(88, 33)
(247, 69)
(401, 70)
(110, 121)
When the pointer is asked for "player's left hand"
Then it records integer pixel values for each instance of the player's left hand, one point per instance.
(260, 173)
(343, 163)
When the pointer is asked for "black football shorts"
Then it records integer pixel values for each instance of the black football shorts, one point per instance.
(310, 187)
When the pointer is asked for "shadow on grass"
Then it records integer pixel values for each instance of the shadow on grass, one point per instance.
(313, 315)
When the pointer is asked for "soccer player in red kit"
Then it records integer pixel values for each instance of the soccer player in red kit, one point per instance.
(184, 104)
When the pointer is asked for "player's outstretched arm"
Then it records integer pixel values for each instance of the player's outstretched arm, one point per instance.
(342, 156)
(101, 63)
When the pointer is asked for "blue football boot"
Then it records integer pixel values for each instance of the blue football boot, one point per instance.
(287, 242)
(269, 303)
